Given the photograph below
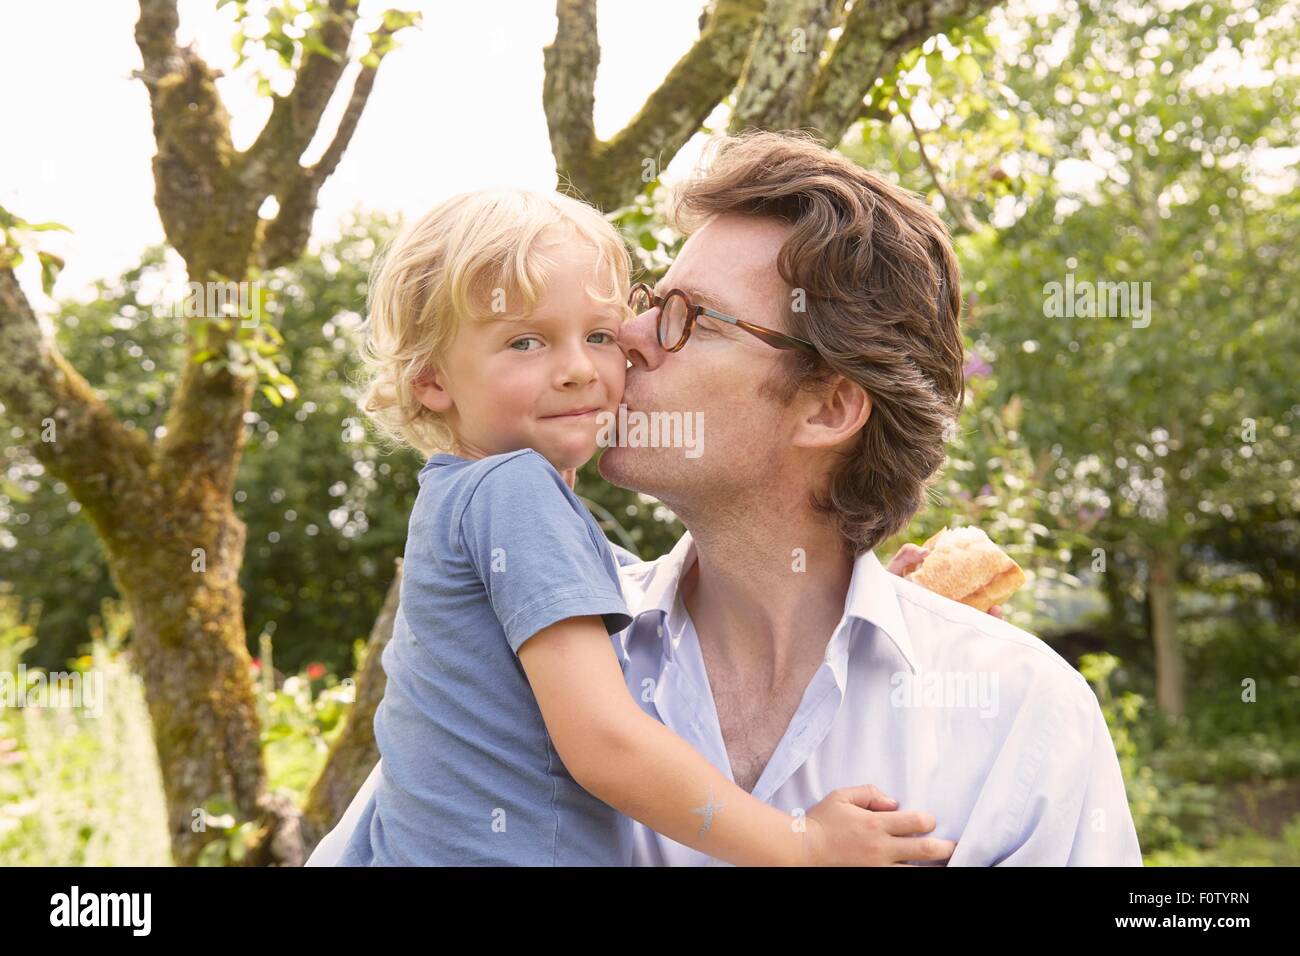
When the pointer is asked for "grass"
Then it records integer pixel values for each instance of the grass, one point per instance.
(1244, 849)
(80, 789)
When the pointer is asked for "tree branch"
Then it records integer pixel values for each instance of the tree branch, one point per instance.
(876, 35)
(284, 238)
(611, 173)
(295, 116)
(875, 113)
(105, 465)
(209, 196)
(569, 83)
(155, 35)
(959, 210)
(783, 64)
(192, 131)
(211, 221)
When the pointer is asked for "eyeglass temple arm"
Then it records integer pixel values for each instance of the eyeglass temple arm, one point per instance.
(718, 315)
(776, 339)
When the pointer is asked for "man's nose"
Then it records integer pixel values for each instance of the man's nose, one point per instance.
(640, 343)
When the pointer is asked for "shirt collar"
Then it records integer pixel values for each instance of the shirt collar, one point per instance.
(651, 591)
(872, 598)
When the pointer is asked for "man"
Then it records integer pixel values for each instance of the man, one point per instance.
(811, 322)
(771, 638)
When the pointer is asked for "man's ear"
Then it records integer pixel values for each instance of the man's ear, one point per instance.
(833, 414)
(429, 388)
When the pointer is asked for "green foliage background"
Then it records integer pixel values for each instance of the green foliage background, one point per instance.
(1080, 435)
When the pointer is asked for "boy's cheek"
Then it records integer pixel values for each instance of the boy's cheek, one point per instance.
(616, 377)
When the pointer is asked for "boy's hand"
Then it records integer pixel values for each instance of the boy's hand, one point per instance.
(860, 826)
(907, 559)
(910, 557)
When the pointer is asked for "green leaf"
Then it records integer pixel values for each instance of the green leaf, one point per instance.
(934, 64)
(967, 69)
(395, 20)
(312, 43)
(51, 266)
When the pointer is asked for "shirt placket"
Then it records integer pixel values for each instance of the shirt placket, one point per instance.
(808, 728)
(685, 706)
(812, 720)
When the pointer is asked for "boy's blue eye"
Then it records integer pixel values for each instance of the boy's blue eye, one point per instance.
(609, 337)
(522, 341)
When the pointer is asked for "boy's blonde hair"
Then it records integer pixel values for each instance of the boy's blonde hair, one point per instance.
(474, 256)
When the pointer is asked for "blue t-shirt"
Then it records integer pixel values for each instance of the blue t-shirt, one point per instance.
(497, 549)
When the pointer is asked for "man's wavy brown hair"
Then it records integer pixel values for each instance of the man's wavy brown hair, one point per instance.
(881, 296)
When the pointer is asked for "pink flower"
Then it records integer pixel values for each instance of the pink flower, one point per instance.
(9, 754)
(316, 671)
(976, 367)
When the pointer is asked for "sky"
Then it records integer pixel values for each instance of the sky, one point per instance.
(458, 106)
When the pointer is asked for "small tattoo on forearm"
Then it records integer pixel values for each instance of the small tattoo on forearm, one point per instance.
(707, 812)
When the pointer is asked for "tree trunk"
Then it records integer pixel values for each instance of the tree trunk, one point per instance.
(1162, 594)
(163, 509)
(354, 753)
(189, 648)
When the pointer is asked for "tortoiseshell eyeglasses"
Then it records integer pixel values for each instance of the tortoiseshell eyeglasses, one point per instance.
(677, 315)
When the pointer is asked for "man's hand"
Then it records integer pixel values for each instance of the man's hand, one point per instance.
(910, 557)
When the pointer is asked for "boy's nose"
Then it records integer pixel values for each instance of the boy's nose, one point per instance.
(640, 343)
(579, 369)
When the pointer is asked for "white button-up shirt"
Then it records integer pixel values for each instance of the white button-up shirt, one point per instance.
(944, 708)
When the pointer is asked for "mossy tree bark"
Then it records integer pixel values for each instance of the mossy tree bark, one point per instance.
(611, 172)
(163, 508)
(778, 58)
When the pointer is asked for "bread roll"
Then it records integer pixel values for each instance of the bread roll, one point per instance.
(963, 564)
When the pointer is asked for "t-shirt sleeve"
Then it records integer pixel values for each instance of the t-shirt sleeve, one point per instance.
(535, 553)
(623, 556)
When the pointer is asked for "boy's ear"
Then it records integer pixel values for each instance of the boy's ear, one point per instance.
(428, 388)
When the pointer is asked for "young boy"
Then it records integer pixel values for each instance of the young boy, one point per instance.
(507, 733)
